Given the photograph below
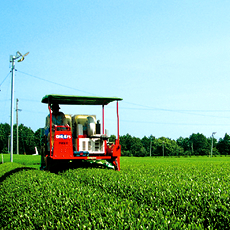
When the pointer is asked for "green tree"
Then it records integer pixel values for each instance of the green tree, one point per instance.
(185, 144)
(167, 147)
(137, 148)
(126, 143)
(146, 142)
(223, 145)
(27, 140)
(132, 146)
(112, 138)
(4, 134)
(200, 144)
(37, 139)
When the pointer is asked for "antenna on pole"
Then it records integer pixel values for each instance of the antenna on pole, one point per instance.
(12, 60)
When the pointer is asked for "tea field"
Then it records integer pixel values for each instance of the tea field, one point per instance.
(148, 193)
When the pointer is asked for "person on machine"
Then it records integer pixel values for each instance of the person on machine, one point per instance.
(58, 118)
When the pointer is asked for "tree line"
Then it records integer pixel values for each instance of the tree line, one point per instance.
(196, 144)
(27, 139)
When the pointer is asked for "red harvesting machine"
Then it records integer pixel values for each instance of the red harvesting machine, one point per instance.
(83, 139)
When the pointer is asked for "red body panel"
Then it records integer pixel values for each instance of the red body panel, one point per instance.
(63, 144)
(114, 150)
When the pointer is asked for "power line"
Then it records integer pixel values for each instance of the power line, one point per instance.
(172, 110)
(144, 107)
(190, 112)
(4, 79)
(55, 83)
(33, 111)
(26, 99)
(169, 123)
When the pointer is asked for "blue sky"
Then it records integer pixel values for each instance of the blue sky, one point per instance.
(168, 60)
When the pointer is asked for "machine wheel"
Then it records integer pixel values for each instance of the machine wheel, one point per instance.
(43, 164)
(48, 163)
(56, 166)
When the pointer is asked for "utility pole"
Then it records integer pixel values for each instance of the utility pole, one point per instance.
(150, 145)
(192, 148)
(9, 143)
(163, 148)
(17, 109)
(12, 60)
(212, 142)
(17, 124)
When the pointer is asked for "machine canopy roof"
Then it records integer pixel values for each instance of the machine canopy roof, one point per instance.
(78, 100)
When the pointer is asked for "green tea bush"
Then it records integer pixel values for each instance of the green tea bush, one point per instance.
(28, 160)
(147, 193)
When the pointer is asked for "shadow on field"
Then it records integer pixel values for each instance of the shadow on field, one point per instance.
(63, 166)
(2, 178)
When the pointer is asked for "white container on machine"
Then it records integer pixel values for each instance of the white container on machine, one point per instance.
(91, 126)
(81, 119)
(79, 129)
(107, 132)
(69, 120)
(80, 123)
